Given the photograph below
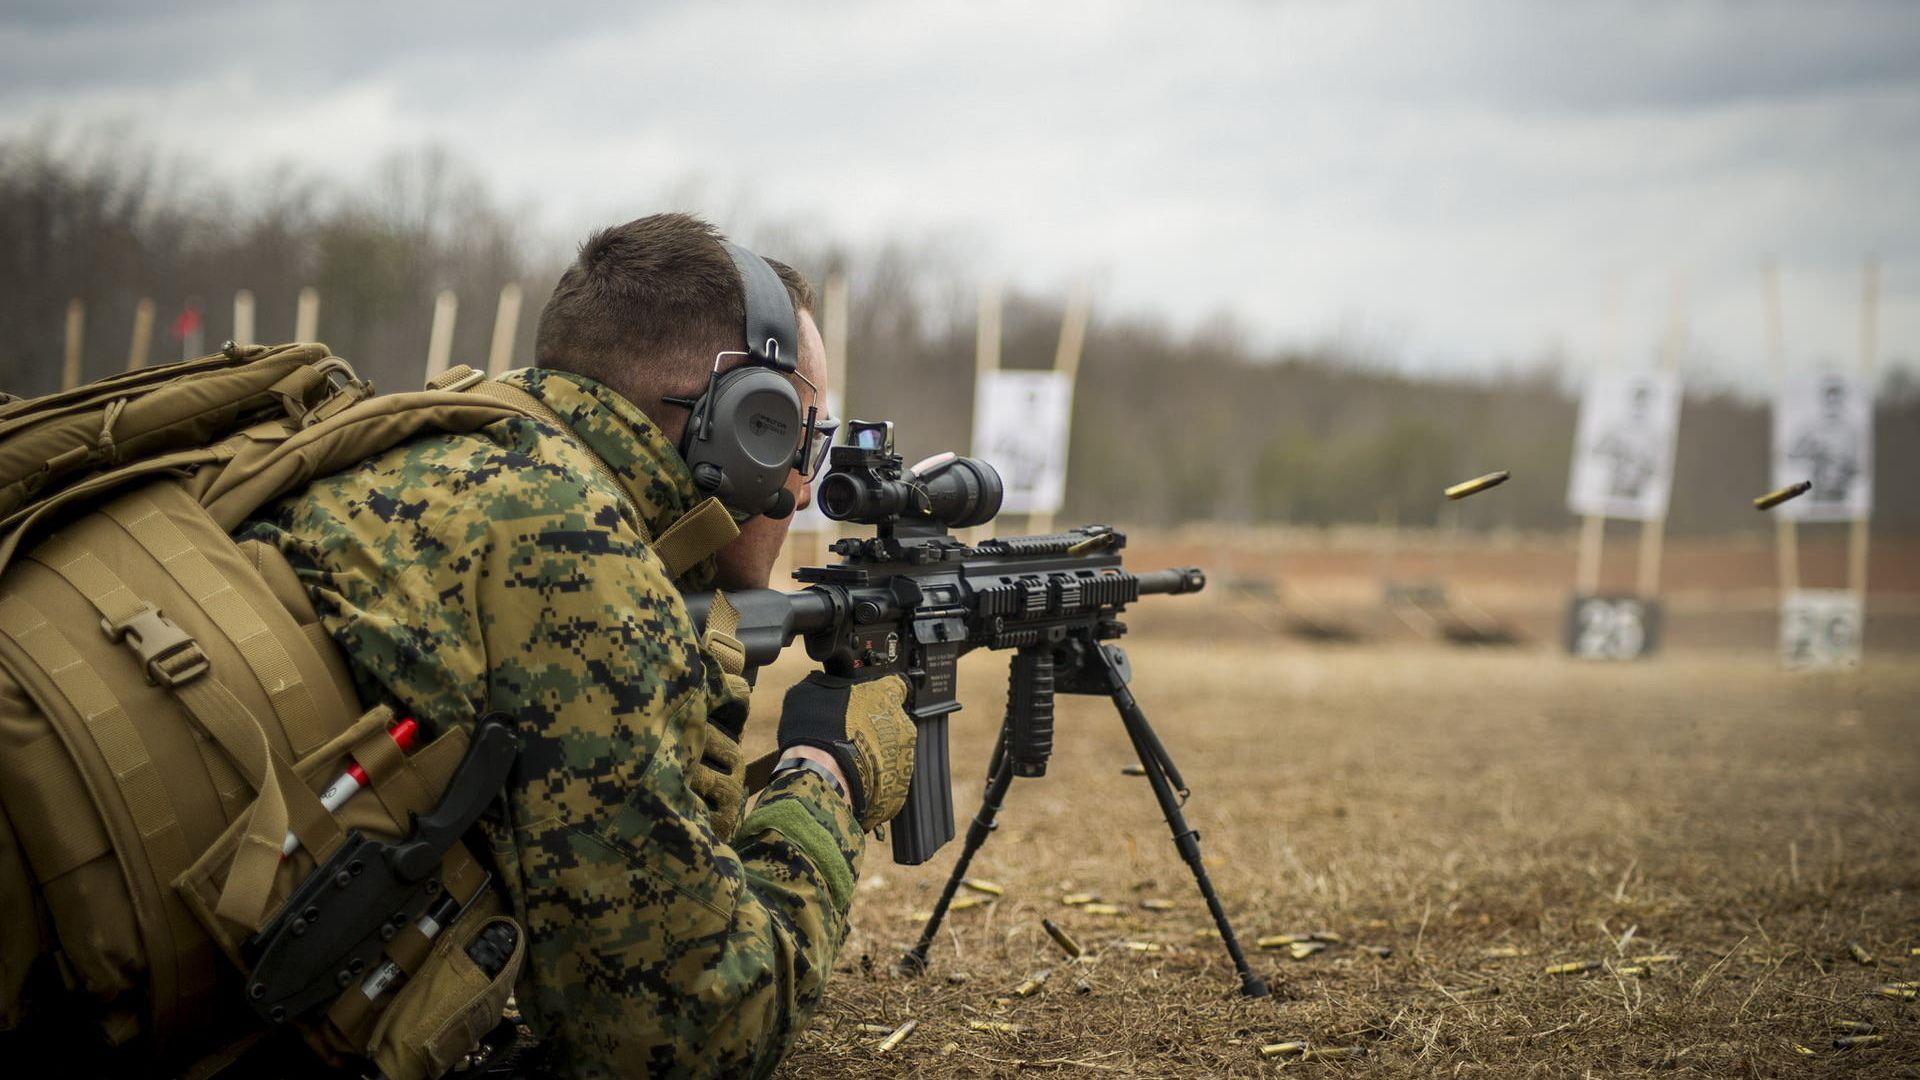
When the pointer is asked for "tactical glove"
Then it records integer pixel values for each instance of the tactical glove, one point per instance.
(719, 776)
(864, 725)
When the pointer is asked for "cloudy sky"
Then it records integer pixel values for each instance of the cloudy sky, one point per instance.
(1449, 185)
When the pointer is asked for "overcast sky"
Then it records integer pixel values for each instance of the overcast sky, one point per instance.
(1454, 185)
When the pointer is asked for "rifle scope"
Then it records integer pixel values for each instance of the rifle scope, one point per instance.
(868, 486)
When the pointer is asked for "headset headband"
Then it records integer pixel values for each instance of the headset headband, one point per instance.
(770, 318)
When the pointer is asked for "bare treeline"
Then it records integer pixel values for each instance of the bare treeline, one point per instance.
(1168, 428)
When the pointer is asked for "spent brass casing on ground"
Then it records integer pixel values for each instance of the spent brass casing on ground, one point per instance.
(1657, 958)
(1033, 983)
(1157, 905)
(1573, 968)
(1849, 1042)
(1284, 1049)
(1303, 949)
(1859, 953)
(899, 1035)
(993, 1025)
(1281, 941)
(982, 885)
(1078, 898)
(1478, 484)
(1853, 1027)
(1100, 909)
(1774, 498)
(1063, 939)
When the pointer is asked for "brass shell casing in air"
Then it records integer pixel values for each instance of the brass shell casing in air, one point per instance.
(1478, 484)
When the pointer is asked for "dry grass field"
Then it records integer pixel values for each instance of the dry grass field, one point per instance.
(1463, 820)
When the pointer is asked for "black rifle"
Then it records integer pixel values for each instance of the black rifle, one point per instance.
(913, 598)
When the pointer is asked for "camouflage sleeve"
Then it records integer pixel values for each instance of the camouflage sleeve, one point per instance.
(655, 947)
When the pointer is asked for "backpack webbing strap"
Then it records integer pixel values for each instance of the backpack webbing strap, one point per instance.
(723, 622)
(143, 810)
(722, 616)
(700, 532)
(283, 802)
(117, 604)
(57, 840)
(162, 536)
(284, 805)
(397, 787)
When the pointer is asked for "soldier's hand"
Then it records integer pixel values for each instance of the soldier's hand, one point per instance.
(863, 723)
(719, 776)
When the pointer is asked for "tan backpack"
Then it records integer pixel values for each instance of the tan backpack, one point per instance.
(170, 705)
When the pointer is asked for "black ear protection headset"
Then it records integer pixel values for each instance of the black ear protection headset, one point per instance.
(746, 433)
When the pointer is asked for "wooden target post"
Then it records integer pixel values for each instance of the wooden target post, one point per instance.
(243, 317)
(1786, 537)
(986, 360)
(1593, 527)
(1860, 528)
(836, 329)
(142, 341)
(306, 315)
(506, 324)
(810, 546)
(1066, 360)
(1653, 534)
(446, 306)
(75, 345)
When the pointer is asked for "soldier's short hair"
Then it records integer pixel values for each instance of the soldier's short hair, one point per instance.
(647, 305)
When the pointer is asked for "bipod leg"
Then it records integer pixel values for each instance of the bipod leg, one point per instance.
(1159, 767)
(999, 779)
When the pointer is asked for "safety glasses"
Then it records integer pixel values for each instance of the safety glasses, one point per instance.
(815, 442)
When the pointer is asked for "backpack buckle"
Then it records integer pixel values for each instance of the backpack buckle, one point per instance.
(169, 654)
(345, 387)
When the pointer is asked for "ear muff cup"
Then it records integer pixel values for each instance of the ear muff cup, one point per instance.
(741, 439)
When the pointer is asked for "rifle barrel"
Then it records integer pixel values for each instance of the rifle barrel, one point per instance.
(1186, 579)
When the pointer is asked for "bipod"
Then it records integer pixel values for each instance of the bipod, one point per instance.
(1092, 669)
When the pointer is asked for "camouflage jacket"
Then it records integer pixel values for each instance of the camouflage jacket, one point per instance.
(498, 571)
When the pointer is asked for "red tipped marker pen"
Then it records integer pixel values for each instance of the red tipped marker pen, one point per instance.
(404, 734)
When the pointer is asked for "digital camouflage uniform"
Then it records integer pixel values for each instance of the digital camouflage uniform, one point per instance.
(497, 571)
